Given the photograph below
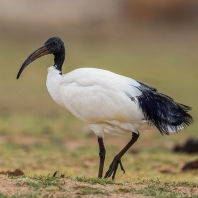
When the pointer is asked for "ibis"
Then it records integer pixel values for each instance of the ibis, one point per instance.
(109, 102)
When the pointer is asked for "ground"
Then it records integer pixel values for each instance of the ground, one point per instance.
(53, 187)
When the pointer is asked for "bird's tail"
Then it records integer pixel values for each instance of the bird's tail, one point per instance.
(163, 112)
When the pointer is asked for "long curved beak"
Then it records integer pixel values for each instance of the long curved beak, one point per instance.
(35, 55)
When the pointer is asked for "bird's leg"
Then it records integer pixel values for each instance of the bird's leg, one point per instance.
(102, 156)
(117, 159)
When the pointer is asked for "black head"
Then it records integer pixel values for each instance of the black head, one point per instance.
(53, 45)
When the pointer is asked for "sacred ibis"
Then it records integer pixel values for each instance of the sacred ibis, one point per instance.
(109, 102)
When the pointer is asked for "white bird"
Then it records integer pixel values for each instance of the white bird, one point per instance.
(109, 102)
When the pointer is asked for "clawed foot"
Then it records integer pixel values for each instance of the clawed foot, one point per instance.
(113, 168)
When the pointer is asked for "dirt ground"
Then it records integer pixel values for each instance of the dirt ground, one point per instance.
(69, 188)
(12, 187)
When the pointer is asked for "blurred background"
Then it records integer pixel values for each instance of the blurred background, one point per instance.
(152, 41)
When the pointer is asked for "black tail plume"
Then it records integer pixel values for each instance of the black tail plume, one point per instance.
(162, 111)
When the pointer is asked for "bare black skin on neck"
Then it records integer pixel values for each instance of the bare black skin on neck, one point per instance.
(56, 47)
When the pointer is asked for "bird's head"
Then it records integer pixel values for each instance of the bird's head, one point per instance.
(53, 45)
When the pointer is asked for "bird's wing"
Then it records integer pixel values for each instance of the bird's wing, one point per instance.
(146, 86)
(96, 96)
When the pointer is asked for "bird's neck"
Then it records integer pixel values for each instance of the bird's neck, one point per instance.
(53, 84)
(59, 58)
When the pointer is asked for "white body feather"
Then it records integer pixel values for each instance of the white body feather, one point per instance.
(100, 98)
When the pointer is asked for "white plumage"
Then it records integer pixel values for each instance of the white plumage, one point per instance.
(109, 102)
(99, 98)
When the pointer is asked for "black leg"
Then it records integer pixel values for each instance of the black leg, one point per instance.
(102, 156)
(117, 159)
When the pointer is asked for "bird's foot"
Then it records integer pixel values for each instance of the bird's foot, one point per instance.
(113, 168)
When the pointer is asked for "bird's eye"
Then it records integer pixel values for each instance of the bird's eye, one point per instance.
(53, 43)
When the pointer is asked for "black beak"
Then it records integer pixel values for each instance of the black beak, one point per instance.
(35, 55)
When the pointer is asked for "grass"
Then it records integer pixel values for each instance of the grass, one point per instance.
(161, 189)
(72, 187)
(39, 182)
(94, 180)
(39, 137)
(87, 190)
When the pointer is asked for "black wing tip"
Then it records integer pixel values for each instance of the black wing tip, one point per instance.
(163, 112)
(164, 126)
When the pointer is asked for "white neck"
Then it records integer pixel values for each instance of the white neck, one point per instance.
(53, 84)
